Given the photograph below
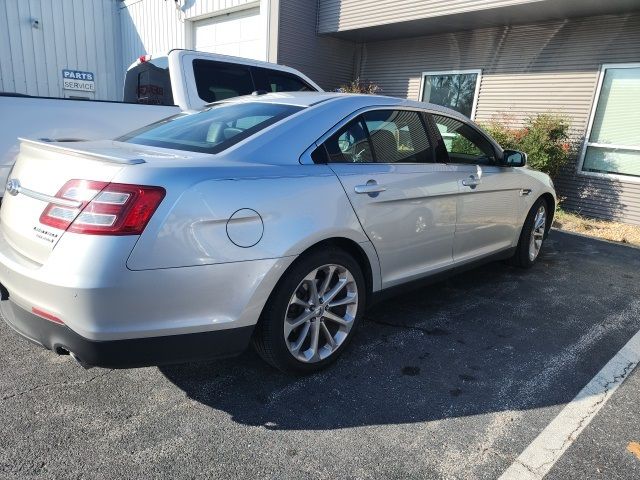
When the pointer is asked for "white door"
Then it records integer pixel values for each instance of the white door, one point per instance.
(241, 34)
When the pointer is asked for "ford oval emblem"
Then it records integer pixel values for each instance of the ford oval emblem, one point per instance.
(13, 187)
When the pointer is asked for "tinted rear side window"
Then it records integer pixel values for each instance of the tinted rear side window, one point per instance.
(350, 144)
(282, 81)
(398, 136)
(217, 81)
(212, 130)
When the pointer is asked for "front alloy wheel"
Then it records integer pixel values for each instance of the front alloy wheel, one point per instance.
(532, 235)
(537, 232)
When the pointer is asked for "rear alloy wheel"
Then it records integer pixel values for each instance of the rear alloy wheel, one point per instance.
(532, 235)
(321, 313)
(312, 313)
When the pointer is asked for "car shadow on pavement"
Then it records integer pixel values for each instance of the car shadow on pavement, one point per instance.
(493, 339)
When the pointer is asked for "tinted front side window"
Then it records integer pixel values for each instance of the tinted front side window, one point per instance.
(217, 81)
(398, 136)
(212, 130)
(464, 144)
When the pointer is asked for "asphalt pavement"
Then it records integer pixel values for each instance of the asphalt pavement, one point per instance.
(452, 380)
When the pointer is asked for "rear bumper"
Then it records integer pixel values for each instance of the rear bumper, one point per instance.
(134, 352)
(86, 284)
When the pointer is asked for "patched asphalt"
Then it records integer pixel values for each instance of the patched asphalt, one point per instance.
(452, 380)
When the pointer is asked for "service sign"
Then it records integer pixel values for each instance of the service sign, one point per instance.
(77, 80)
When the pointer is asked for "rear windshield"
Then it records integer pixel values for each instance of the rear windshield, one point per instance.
(149, 83)
(212, 130)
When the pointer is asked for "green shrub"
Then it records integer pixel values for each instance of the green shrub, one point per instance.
(544, 138)
(460, 144)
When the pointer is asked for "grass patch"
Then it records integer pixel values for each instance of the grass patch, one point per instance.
(605, 229)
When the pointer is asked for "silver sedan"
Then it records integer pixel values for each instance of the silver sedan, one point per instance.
(272, 219)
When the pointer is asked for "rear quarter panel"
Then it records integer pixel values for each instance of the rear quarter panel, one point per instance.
(297, 206)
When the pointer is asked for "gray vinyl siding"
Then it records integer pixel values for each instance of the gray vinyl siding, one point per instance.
(328, 61)
(526, 69)
(341, 15)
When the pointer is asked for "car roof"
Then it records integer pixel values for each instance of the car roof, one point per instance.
(310, 99)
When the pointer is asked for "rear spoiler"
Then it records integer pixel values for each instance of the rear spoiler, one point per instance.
(46, 144)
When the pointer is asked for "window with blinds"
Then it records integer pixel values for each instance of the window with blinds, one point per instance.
(613, 146)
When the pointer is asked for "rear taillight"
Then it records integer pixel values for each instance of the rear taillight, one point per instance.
(103, 208)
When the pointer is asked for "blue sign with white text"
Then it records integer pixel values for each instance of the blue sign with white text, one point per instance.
(77, 75)
(78, 80)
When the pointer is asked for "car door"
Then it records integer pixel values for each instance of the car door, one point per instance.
(489, 201)
(405, 202)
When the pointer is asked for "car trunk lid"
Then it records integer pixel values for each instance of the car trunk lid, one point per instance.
(40, 171)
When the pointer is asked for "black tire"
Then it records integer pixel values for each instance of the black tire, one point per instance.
(269, 340)
(521, 258)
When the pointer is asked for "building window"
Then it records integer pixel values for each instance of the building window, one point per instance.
(613, 137)
(454, 89)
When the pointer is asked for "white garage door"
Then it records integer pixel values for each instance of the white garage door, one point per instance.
(240, 33)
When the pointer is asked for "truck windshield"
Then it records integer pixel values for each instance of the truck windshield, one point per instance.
(212, 130)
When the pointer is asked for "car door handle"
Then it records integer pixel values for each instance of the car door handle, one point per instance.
(369, 188)
(472, 182)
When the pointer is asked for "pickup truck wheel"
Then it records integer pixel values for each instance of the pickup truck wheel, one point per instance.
(532, 235)
(313, 313)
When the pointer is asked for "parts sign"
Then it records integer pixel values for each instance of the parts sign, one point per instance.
(77, 80)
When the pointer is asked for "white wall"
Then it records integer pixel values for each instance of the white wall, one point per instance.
(149, 27)
(99, 36)
(203, 8)
(72, 34)
(155, 26)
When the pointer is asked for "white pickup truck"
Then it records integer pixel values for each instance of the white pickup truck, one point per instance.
(154, 88)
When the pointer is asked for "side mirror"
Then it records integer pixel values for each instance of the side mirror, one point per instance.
(513, 158)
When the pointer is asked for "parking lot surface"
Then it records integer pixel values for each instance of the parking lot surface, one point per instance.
(452, 380)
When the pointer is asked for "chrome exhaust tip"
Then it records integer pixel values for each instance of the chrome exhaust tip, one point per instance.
(79, 361)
